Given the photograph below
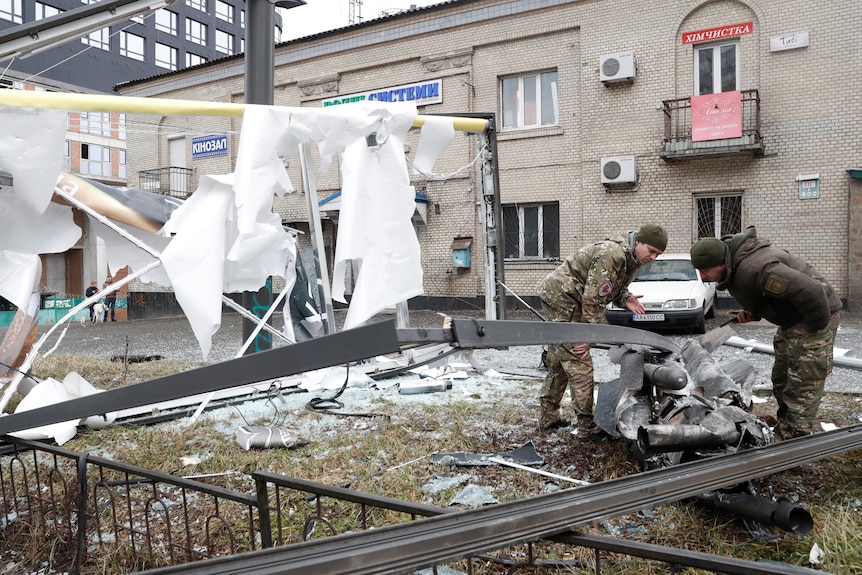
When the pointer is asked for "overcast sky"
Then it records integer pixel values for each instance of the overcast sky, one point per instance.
(322, 15)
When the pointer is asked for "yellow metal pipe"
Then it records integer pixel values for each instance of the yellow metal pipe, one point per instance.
(158, 106)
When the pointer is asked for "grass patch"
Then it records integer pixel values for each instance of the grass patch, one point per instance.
(392, 457)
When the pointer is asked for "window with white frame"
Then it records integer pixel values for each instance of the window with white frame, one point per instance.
(716, 68)
(196, 31)
(197, 4)
(131, 46)
(224, 11)
(67, 160)
(100, 39)
(532, 231)
(194, 59)
(224, 42)
(12, 11)
(121, 126)
(45, 11)
(98, 123)
(529, 100)
(166, 56)
(166, 21)
(95, 160)
(122, 163)
(717, 215)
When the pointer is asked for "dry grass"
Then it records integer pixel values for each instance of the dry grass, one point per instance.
(394, 460)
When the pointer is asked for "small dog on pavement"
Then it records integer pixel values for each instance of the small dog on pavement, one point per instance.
(99, 310)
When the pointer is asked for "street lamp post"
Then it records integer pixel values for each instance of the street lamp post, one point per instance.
(259, 88)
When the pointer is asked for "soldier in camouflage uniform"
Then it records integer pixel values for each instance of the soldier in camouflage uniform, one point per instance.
(578, 290)
(772, 284)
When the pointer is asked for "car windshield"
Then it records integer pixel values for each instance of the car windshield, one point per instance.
(666, 270)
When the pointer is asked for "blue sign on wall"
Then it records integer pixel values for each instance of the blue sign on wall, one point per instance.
(209, 146)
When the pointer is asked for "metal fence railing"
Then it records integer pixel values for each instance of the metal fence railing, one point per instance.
(93, 508)
(677, 117)
(88, 512)
(170, 181)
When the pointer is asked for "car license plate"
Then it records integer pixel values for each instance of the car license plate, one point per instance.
(648, 317)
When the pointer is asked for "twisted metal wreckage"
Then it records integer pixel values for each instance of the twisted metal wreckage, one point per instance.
(678, 407)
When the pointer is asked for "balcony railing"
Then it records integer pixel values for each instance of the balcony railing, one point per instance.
(677, 131)
(171, 181)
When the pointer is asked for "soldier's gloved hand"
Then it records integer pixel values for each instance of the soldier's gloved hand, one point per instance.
(581, 349)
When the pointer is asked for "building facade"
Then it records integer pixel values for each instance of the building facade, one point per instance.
(705, 116)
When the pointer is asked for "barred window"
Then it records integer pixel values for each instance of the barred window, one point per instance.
(532, 231)
(717, 215)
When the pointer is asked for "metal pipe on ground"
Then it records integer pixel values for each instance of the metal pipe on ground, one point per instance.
(781, 513)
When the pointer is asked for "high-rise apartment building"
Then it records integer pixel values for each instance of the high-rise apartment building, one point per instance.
(180, 35)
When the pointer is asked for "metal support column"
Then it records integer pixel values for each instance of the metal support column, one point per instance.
(492, 222)
(321, 273)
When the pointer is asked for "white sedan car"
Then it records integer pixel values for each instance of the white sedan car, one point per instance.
(674, 295)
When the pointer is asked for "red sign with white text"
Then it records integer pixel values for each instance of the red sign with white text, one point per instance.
(711, 34)
(716, 116)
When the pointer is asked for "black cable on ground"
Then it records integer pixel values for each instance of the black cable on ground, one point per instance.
(328, 404)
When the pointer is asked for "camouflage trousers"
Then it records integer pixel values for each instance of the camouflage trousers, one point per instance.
(803, 360)
(568, 369)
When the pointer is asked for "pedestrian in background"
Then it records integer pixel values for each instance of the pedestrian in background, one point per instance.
(578, 291)
(110, 300)
(91, 291)
(772, 284)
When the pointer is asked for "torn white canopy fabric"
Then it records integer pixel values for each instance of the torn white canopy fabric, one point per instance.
(210, 255)
(374, 226)
(437, 133)
(51, 391)
(377, 200)
(31, 153)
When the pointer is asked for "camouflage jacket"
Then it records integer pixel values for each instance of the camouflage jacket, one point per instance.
(588, 280)
(776, 285)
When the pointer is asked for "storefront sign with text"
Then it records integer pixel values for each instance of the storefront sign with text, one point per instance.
(719, 33)
(716, 116)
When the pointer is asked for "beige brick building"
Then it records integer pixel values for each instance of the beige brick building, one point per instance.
(605, 117)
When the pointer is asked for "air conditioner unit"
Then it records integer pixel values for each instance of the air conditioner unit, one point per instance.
(619, 170)
(620, 67)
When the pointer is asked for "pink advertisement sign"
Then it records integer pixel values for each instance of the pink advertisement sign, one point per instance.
(716, 116)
